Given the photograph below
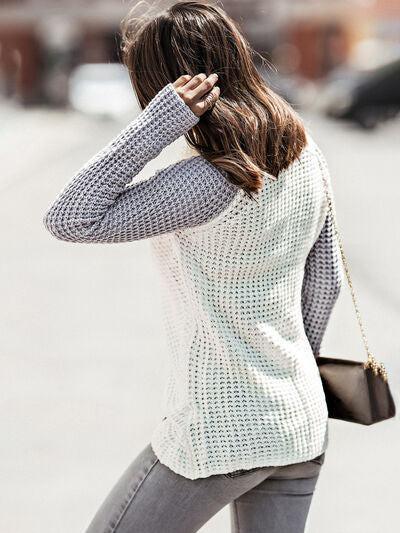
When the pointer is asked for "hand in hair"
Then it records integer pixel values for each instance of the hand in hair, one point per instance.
(199, 92)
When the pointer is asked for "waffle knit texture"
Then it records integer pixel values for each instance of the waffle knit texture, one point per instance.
(248, 288)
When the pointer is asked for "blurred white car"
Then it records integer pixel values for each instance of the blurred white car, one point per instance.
(102, 89)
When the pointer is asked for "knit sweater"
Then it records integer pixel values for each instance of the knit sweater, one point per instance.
(248, 288)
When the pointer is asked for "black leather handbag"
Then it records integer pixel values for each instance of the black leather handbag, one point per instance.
(355, 391)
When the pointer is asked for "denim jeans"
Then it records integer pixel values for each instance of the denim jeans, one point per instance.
(151, 498)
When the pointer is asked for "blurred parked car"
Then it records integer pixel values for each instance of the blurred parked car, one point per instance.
(102, 89)
(365, 97)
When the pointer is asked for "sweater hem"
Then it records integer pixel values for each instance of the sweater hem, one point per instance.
(204, 472)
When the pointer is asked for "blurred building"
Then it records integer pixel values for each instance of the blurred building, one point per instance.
(40, 42)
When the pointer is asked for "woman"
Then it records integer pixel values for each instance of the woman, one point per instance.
(251, 272)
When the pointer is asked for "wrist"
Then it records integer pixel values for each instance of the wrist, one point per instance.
(171, 116)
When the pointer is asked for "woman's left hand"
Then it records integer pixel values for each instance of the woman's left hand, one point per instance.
(198, 92)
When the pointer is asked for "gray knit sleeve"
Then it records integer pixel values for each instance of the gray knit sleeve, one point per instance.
(100, 205)
(321, 285)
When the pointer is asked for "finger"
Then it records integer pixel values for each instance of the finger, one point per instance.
(182, 80)
(204, 87)
(195, 81)
(208, 101)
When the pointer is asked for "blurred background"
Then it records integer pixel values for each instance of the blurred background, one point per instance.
(82, 349)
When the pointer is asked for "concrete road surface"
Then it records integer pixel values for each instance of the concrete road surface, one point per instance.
(83, 354)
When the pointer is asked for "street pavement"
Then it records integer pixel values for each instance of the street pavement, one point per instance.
(83, 356)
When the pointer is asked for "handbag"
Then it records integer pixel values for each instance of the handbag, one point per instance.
(355, 391)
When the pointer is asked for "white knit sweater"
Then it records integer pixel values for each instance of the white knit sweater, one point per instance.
(244, 388)
(248, 289)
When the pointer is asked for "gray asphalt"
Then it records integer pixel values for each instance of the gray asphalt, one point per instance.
(83, 354)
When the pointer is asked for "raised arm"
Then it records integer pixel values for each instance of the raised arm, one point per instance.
(98, 206)
(323, 276)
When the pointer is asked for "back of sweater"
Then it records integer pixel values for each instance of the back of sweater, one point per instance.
(249, 288)
(244, 388)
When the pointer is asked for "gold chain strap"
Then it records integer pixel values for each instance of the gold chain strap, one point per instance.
(377, 368)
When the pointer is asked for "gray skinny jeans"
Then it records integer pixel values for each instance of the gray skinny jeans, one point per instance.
(151, 498)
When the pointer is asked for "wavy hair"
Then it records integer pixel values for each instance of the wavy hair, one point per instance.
(250, 130)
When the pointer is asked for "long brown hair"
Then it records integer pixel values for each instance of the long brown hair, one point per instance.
(250, 130)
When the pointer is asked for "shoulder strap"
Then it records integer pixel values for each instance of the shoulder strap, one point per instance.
(371, 361)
